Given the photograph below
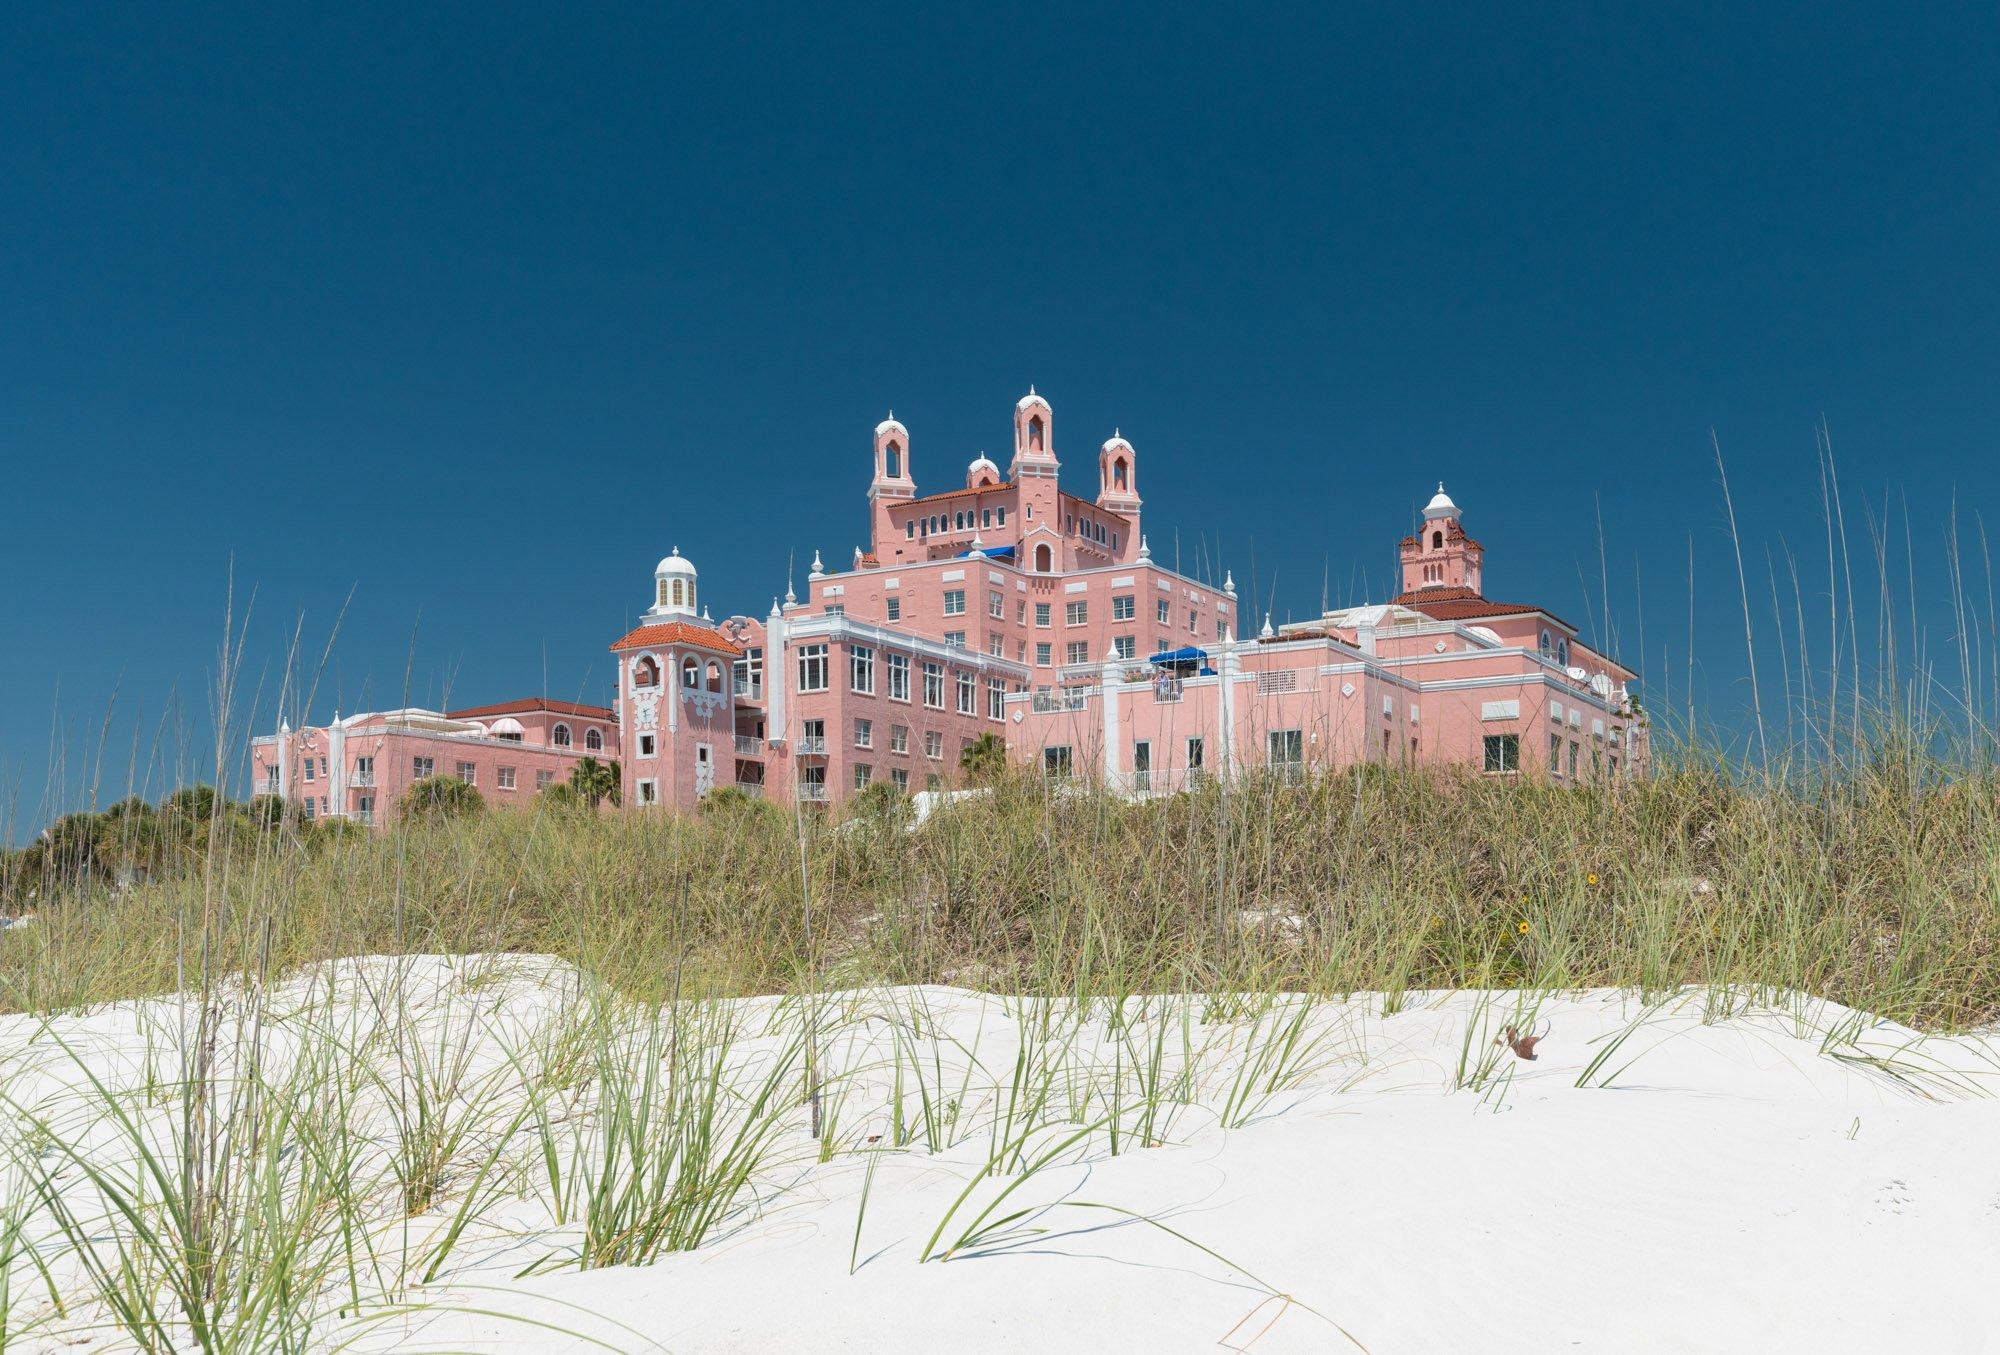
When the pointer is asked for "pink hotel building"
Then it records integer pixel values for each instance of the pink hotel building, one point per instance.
(1010, 607)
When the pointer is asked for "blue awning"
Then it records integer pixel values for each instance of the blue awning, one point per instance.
(1174, 657)
(991, 553)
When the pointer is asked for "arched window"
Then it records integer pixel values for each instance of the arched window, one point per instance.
(1548, 645)
(1437, 540)
(663, 593)
(1118, 472)
(593, 739)
(677, 592)
(1035, 433)
(1562, 652)
(958, 522)
(895, 462)
(714, 676)
(559, 736)
(646, 673)
(690, 673)
(1044, 559)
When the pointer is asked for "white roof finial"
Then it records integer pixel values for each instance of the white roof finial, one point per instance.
(791, 598)
(818, 570)
(1267, 632)
(1440, 506)
(1145, 551)
(1229, 582)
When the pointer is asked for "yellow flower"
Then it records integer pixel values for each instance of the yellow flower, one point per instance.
(1523, 929)
(1591, 878)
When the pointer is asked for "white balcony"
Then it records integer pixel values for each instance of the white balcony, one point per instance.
(748, 746)
(812, 744)
(813, 792)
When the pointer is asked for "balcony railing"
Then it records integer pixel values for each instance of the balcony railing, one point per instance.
(812, 744)
(813, 791)
(746, 690)
(748, 746)
(753, 789)
(1059, 700)
(361, 779)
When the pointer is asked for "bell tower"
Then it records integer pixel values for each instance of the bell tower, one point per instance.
(1441, 555)
(892, 483)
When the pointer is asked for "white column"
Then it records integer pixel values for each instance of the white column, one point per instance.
(673, 691)
(284, 758)
(1226, 705)
(774, 675)
(1107, 688)
(336, 772)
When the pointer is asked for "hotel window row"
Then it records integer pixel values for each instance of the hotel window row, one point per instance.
(937, 524)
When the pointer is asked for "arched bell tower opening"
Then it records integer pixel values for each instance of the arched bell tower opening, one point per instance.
(1439, 555)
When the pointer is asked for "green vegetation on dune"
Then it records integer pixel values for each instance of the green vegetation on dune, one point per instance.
(1876, 888)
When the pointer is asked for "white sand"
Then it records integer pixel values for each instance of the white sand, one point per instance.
(1748, 1183)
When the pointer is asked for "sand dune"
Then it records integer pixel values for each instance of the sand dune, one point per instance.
(1780, 1175)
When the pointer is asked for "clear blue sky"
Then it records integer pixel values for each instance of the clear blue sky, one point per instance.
(473, 314)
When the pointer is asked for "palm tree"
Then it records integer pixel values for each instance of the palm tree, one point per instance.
(595, 781)
(984, 759)
(441, 797)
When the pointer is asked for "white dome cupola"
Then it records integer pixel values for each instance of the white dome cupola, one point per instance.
(674, 581)
(1440, 506)
(981, 472)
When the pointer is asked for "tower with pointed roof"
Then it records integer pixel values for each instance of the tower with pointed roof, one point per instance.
(1439, 560)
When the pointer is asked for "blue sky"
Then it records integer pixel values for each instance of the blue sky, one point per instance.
(468, 316)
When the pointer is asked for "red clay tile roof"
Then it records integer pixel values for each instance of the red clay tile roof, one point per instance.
(1462, 604)
(532, 703)
(677, 633)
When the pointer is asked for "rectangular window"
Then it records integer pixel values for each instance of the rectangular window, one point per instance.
(311, 812)
(1502, 752)
(422, 767)
(468, 773)
(1197, 748)
(996, 645)
(648, 745)
(968, 694)
(1221, 631)
(1076, 614)
(1194, 620)
(1078, 651)
(863, 774)
(996, 699)
(544, 779)
(996, 606)
(899, 777)
(899, 677)
(864, 733)
(1555, 754)
(933, 744)
(1287, 747)
(364, 771)
(309, 771)
(749, 674)
(1126, 646)
(1056, 761)
(1163, 611)
(1142, 765)
(649, 792)
(931, 779)
(1124, 607)
(986, 517)
(835, 609)
(1572, 760)
(812, 783)
(1042, 654)
(364, 808)
(812, 668)
(506, 775)
(1043, 612)
(894, 608)
(863, 667)
(812, 736)
(1021, 611)
(934, 685)
(955, 638)
(899, 738)
(954, 602)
